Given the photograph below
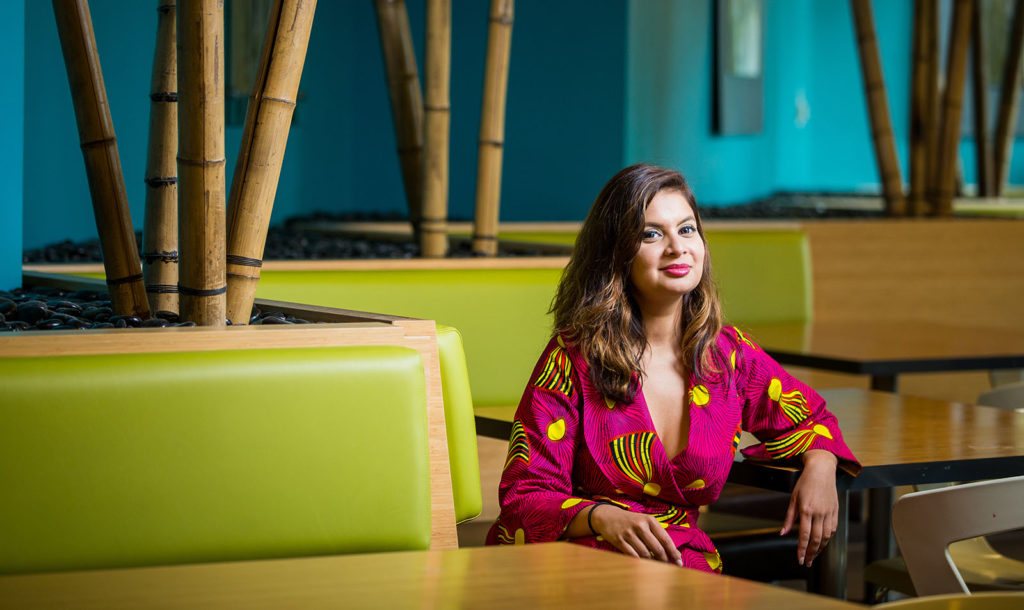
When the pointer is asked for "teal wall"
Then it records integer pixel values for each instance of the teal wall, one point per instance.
(810, 62)
(12, 109)
(592, 86)
(341, 150)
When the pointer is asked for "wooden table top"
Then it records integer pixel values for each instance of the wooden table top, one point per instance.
(900, 440)
(888, 347)
(536, 575)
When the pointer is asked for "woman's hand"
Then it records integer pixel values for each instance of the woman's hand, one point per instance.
(816, 503)
(635, 534)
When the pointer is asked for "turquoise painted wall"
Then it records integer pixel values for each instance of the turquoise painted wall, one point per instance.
(565, 93)
(815, 134)
(12, 110)
(592, 86)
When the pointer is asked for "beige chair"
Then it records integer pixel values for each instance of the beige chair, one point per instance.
(959, 601)
(926, 523)
(1009, 396)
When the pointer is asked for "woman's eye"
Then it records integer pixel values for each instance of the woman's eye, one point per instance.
(651, 234)
(687, 230)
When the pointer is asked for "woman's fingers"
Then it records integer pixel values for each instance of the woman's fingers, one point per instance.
(815, 543)
(672, 554)
(787, 525)
(651, 544)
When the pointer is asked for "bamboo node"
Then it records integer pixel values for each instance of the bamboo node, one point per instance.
(494, 143)
(96, 143)
(197, 292)
(279, 100)
(235, 259)
(201, 163)
(125, 280)
(503, 20)
(486, 237)
(162, 289)
(254, 278)
(163, 256)
(165, 181)
(443, 108)
(164, 96)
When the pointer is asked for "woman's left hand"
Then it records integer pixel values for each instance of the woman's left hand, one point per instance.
(816, 503)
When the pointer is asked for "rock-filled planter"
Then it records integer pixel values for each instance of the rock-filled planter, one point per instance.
(54, 308)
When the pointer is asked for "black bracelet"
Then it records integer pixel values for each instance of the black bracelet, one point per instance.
(590, 514)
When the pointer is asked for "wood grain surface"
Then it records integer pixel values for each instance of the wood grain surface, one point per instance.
(556, 575)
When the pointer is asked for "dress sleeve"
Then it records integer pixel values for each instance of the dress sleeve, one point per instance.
(535, 493)
(786, 416)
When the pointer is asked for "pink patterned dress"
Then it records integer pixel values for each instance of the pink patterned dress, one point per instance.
(554, 469)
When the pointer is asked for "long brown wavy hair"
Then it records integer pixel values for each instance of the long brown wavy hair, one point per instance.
(594, 307)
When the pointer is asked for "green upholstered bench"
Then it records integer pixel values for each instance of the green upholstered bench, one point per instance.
(163, 458)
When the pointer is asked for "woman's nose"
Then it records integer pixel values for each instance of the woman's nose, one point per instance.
(675, 246)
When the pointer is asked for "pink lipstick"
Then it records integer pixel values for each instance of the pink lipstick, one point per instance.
(678, 270)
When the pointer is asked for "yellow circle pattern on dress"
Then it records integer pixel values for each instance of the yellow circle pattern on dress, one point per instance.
(699, 395)
(732, 360)
(570, 503)
(652, 489)
(560, 342)
(556, 431)
(698, 484)
(775, 389)
(520, 536)
(714, 560)
(823, 431)
(608, 402)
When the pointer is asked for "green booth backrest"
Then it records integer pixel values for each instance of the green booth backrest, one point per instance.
(501, 313)
(150, 459)
(763, 276)
(460, 426)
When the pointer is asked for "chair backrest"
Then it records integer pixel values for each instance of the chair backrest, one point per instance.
(1009, 396)
(926, 522)
(959, 601)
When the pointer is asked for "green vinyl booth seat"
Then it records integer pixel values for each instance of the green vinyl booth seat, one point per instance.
(763, 276)
(164, 458)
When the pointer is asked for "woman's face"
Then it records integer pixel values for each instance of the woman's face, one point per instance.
(670, 261)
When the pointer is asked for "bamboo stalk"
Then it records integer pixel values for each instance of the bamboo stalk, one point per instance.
(406, 100)
(878, 108)
(434, 227)
(160, 232)
(919, 107)
(1009, 97)
(267, 122)
(931, 120)
(102, 162)
(983, 154)
(201, 161)
(492, 129)
(952, 99)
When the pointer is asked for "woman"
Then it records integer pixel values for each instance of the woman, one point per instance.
(632, 416)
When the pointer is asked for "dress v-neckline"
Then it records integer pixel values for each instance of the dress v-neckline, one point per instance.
(681, 456)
